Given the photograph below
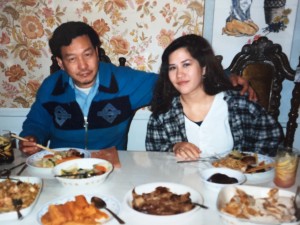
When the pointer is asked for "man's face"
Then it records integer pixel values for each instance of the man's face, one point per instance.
(80, 61)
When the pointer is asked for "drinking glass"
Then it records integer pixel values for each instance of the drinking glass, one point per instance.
(286, 163)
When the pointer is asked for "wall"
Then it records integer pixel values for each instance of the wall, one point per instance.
(293, 56)
(136, 29)
(12, 118)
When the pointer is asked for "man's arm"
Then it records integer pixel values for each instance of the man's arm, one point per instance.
(238, 80)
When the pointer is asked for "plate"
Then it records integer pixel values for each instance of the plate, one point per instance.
(227, 193)
(47, 172)
(13, 215)
(262, 177)
(112, 203)
(162, 219)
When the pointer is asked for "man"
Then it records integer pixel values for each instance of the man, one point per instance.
(86, 104)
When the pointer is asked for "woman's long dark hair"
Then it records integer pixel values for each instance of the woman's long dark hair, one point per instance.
(215, 79)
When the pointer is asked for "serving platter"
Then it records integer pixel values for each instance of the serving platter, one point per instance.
(260, 177)
(35, 170)
(13, 214)
(162, 219)
(112, 203)
(227, 193)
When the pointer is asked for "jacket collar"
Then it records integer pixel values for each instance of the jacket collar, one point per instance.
(108, 82)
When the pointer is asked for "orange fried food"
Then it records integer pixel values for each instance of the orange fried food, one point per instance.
(78, 212)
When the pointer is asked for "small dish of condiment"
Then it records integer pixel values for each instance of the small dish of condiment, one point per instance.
(217, 178)
(221, 178)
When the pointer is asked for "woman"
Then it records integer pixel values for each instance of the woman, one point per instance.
(196, 112)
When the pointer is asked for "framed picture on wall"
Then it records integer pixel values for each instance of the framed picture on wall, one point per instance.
(238, 22)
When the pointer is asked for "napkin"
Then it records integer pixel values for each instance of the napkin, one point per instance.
(109, 154)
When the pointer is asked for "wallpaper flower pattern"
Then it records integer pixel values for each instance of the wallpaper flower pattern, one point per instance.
(136, 29)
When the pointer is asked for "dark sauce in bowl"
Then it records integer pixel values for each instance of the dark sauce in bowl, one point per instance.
(222, 179)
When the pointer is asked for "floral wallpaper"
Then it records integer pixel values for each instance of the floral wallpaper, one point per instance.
(138, 30)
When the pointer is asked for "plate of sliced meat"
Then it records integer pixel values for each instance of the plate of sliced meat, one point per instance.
(162, 202)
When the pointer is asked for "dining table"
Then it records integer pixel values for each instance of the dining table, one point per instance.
(137, 167)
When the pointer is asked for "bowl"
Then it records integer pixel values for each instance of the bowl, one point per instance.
(162, 219)
(207, 173)
(12, 215)
(226, 194)
(84, 163)
(35, 170)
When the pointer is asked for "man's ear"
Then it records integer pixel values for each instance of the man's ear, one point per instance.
(59, 62)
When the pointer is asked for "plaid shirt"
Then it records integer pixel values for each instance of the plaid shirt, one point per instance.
(252, 128)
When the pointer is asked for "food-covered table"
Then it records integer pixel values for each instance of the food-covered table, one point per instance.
(136, 168)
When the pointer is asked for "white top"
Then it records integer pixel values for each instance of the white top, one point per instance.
(84, 90)
(213, 136)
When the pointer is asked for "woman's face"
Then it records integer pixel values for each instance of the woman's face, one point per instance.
(185, 73)
(245, 4)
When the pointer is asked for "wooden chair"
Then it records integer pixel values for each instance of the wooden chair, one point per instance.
(265, 66)
(102, 57)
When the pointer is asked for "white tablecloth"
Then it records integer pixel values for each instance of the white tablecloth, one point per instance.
(137, 168)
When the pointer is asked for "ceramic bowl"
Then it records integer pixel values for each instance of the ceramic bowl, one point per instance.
(35, 170)
(227, 193)
(207, 173)
(84, 163)
(12, 216)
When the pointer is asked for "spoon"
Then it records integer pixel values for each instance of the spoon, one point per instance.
(17, 202)
(100, 204)
(200, 205)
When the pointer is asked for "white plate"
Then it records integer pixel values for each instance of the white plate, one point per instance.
(47, 172)
(112, 203)
(168, 219)
(227, 193)
(13, 215)
(262, 177)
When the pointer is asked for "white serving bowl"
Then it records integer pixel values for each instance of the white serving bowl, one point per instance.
(207, 173)
(162, 219)
(34, 170)
(6, 216)
(84, 163)
(227, 193)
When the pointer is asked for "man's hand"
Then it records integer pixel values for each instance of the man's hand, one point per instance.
(238, 80)
(29, 147)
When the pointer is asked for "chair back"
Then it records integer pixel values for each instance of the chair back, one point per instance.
(265, 66)
(102, 57)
